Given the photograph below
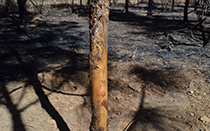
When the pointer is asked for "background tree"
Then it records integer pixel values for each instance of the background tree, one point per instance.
(98, 26)
(23, 15)
(22, 11)
(172, 4)
(80, 2)
(126, 6)
(149, 12)
(186, 10)
(196, 2)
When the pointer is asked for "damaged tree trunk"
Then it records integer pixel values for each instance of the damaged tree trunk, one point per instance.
(98, 27)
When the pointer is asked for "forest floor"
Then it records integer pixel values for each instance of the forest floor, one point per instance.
(158, 73)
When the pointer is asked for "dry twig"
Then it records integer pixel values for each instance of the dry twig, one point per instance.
(126, 128)
(134, 53)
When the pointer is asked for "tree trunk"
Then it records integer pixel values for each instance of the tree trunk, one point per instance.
(196, 2)
(149, 12)
(98, 26)
(22, 11)
(186, 10)
(172, 5)
(126, 6)
(88, 3)
(23, 15)
(80, 2)
(72, 5)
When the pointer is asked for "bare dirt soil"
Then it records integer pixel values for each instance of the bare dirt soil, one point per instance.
(44, 84)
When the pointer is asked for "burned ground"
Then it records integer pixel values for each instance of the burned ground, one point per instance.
(45, 84)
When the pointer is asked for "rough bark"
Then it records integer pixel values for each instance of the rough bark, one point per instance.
(98, 27)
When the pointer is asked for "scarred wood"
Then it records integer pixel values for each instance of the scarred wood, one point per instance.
(98, 27)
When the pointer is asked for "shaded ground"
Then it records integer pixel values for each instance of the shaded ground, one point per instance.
(44, 81)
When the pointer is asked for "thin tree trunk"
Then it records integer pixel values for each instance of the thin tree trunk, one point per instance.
(186, 10)
(196, 5)
(149, 12)
(23, 15)
(88, 3)
(98, 25)
(72, 5)
(126, 6)
(172, 5)
(22, 11)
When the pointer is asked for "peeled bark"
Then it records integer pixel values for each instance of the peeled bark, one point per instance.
(98, 25)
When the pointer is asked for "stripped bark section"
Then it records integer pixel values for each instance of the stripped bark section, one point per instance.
(98, 27)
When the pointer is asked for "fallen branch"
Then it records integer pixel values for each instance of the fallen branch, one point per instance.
(69, 8)
(176, 42)
(193, 37)
(200, 22)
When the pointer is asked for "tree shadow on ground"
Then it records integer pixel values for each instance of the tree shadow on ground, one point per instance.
(166, 79)
(157, 81)
(22, 59)
(154, 23)
(153, 118)
(150, 24)
(17, 121)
